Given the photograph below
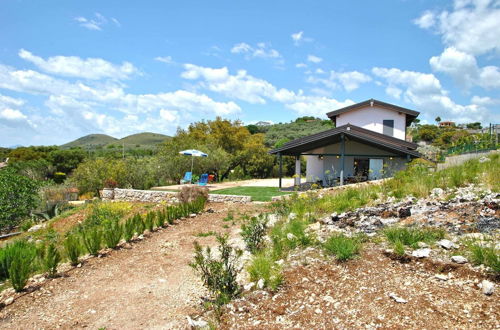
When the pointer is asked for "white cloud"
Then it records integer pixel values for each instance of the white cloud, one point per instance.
(463, 68)
(10, 101)
(299, 38)
(10, 114)
(245, 87)
(472, 26)
(261, 50)
(425, 92)
(426, 20)
(350, 80)
(74, 66)
(485, 100)
(92, 23)
(165, 59)
(301, 65)
(314, 59)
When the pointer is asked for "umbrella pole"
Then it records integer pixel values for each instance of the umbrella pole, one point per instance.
(192, 160)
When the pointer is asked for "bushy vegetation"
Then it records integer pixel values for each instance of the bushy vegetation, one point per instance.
(343, 247)
(264, 267)
(487, 255)
(253, 233)
(410, 236)
(73, 248)
(17, 263)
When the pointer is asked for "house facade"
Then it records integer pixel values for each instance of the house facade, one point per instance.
(367, 143)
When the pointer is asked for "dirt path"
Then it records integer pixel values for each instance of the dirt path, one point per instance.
(147, 285)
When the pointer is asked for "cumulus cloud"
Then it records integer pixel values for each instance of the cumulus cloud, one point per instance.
(314, 59)
(425, 92)
(349, 81)
(248, 88)
(74, 66)
(472, 26)
(261, 50)
(299, 38)
(165, 59)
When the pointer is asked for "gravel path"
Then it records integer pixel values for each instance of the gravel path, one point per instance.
(146, 285)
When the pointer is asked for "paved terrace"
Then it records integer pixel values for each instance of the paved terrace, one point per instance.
(287, 182)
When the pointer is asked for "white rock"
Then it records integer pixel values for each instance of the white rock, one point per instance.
(9, 301)
(397, 299)
(328, 299)
(192, 215)
(292, 216)
(487, 287)
(422, 245)
(260, 284)
(441, 277)
(318, 311)
(196, 323)
(459, 259)
(421, 253)
(447, 244)
(249, 286)
(36, 227)
(290, 236)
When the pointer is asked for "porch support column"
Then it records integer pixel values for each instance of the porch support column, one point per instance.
(297, 170)
(342, 158)
(280, 159)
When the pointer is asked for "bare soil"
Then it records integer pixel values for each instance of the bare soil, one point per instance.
(147, 284)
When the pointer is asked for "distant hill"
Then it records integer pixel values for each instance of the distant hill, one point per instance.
(91, 141)
(140, 140)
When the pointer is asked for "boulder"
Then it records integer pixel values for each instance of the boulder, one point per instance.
(459, 259)
(404, 212)
(447, 244)
(487, 287)
(421, 253)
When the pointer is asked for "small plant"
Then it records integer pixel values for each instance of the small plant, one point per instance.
(129, 229)
(21, 264)
(51, 259)
(218, 274)
(149, 221)
(253, 233)
(139, 224)
(206, 234)
(264, 267)
(411, 236)
(92, 238)
(160, 218)
(73, 248)
(342, 247)
(399, 248)
(229, 216)
(486, 255)
(112, 233)
(12, 251)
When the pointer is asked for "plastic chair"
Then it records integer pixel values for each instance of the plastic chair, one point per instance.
(203, 180)
(187, 177)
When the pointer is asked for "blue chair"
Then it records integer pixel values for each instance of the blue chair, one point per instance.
(203, 180)
(187, 177)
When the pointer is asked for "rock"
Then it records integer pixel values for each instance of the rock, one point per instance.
(334, 216)
(292, 216)
(260, 284)
(447, 244)
(437, 192)
(315, 226)
(328, 299)
(249, 286)
(36, 227)
(487, 287)
(459, 259)
(318, 311)
(404, 212)
(192, 215)
(441, 277)
(8, 301)
(421, 253)
(196, 323)
(422, 245)
(397, 299)
(291, 236)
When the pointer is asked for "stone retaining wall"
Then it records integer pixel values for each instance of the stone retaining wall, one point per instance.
(460, 159)
(154, 196)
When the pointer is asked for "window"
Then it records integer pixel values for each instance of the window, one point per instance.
(389, 127)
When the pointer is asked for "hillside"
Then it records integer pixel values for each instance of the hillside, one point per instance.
(91, 141)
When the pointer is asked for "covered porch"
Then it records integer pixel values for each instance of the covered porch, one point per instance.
(347, 154)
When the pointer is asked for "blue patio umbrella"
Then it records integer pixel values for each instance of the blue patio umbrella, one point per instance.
(193, 153)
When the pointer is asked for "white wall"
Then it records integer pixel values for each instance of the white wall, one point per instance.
(372, 118)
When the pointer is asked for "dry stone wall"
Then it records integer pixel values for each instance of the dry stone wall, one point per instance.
(154, 196)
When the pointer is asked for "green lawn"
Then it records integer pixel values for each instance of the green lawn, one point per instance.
(262, 194)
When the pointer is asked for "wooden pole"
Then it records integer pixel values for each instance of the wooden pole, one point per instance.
(280, 158)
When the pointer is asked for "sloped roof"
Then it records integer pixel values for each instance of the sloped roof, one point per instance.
(410, 114)
(356, 133)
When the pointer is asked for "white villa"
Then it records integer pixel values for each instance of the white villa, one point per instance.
(368, 142)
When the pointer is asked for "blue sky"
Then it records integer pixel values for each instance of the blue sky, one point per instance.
(71, 68)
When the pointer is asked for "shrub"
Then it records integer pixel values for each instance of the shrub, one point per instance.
(19, 258)
(10, 251)
(51, 259)
(286, 236)
(160, 218)
(191, 193)
(149, 221)
(129, 229)
(139, 224)
(112, 233)
(264, 267)
(18, 197)
(92, 238)
(218, 274)
(342, 247)
(73, 248)
(253, 233)
(399, 248)
(486, 255)
(411, 236)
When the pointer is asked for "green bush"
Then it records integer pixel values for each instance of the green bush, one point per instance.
(92, 238)
(286, 236)
(160, 218)
(129, 229)
(51, 259)
(112, 233)
(218, 274)
(399, 248)
(342, 247)
(411, 236)
(18, 197)
(263, 266)
(253, 233)
(149, 221)
(72, 248)
(485, 255)
(10, 251)
(18, 263)
(139, 224)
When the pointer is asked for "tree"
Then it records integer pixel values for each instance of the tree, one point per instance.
(18, 196)
(476, 125)
(438, 119)
(66, 160)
